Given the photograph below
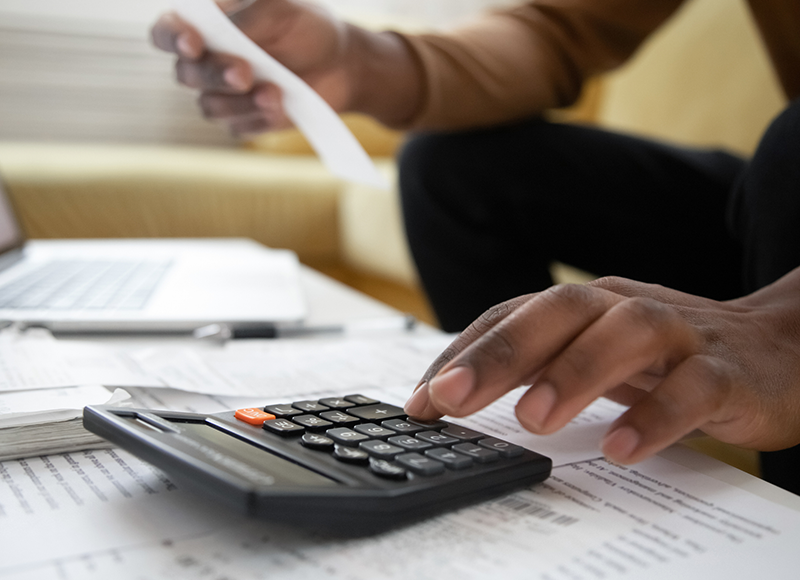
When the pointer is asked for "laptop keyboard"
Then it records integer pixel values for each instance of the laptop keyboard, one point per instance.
(85, 285)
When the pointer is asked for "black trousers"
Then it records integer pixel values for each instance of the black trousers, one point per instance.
(487, 211)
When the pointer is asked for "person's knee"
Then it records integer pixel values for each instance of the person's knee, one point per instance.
(417, 153)
(426, 162)
(435, 180)
(765, 212)
(777, 153)
(790, 116)
(416, 163)
(771, 180)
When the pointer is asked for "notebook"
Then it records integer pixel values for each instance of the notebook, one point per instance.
(143, 285)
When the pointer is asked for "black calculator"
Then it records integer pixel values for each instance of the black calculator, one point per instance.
(348, 464)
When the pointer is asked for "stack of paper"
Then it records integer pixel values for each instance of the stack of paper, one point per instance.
(50, 421)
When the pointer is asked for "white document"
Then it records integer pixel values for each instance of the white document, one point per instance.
(247, 368)
(38, 361)
(104, 514)
(58, 507)
(288, 367)
(339, 150)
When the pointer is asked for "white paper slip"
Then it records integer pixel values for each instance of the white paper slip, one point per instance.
(40, 363)
(293, 367)
(578, 441)
(336, 146)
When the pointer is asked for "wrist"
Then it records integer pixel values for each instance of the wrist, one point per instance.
(384, 76)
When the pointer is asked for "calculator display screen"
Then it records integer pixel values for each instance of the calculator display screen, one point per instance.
(284, 473)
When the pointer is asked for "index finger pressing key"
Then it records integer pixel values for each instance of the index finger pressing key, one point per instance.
(419, 404)
(515, 350)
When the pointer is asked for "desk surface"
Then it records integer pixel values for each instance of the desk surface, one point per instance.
(331, 302)
(101, 514)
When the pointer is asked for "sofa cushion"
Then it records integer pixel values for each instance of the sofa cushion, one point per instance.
(703, 79)
(78, 190)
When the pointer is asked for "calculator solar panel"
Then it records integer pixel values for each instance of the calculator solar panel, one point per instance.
(350, 465)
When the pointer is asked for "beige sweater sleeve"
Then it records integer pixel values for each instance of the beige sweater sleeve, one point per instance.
(519, 62)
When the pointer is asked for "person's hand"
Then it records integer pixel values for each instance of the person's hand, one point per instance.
(348, 66)
(731, 369)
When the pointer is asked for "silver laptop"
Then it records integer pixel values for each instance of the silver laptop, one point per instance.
(143, 285)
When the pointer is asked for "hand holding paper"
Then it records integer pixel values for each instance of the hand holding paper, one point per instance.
(336, 146)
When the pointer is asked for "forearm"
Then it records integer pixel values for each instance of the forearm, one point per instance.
(385, 75)
(517, 63)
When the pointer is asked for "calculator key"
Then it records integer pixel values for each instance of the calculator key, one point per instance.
(283, 427)
(346, 436)
(462, 433)
(361, 400)
(504, 448)
(336, 403)
(436, 438)
(383, 468)
(479, 454)
(253, 416)
(409, 443)
(317, 441)
(312, 422)
(377, 412)
(430, 425)
(450, 458)
(351, 455)
(401, 426)
(309, 406)
(420, 464)
(380, 449)
(339, 417)
(282, 410)
(374, 431)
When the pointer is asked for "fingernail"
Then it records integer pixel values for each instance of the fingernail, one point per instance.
(234, 78)
(451, 388)
(536, 405)
(418, 402)
(185, 46)
(620, 444)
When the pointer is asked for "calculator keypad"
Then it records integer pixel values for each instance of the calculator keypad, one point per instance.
(377, 412)
(410, 443)
(359, 430)
(351, 455)
(316, 441)
(283, 427)
(375, 431)
(345, 436)
(450, 458)
(384, 468)
(282, 410)
(336, 403)
(312, 422)
(380, 449)
(339, 417)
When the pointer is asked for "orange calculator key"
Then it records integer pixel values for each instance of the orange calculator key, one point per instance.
(253, 416)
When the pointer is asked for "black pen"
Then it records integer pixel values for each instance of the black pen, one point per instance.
(227, 332)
